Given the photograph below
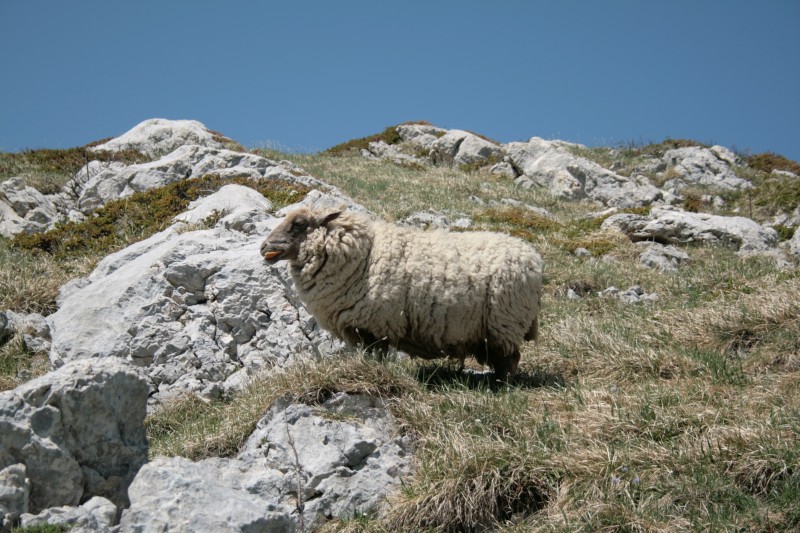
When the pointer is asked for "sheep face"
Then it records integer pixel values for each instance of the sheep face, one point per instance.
(285, 240)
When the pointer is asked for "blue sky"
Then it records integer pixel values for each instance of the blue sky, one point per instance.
(305, 75)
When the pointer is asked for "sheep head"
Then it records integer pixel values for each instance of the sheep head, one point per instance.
(285, 240)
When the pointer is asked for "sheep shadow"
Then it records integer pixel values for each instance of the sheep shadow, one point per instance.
(443, 376)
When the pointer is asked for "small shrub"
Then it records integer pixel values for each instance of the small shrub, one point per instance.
(768, 161)
(389, 136)
(692, 202)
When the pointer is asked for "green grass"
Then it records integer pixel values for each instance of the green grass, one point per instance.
(678, 415)
(47, 169)
(136, 217)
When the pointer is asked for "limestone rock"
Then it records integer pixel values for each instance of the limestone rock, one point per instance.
(23, 209)
(184, 162)
(33, 327)
(665, 258)
(158, 136)
(434, 219)
(633, 295)
(79, 432)
(704, 166)
(550, 164)
(423, 135)
(176, 494)
(794, 244)
(15, 489)
(393, 152)
(669, 226)
(464, 148)
(193, 306)
(346, 456)
(349, 455)
(98, 514)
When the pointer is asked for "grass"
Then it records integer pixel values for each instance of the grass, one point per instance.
(681, 414)
(47, 169)
(136, 217)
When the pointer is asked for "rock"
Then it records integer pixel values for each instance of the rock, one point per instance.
(634, 295)
(349, 455)
(664, 258)
(23, 209)
(176, 494)
(794, 244)
(434, 219)
(192, 308)
(98, 514)
(158, 136)
(696, 165)
(669, 226)
(79, 431)
(464, 148)
(422, 135)
(582, 252)
(572, 295)
(346, 453)
(184, 162)
(550, 164)
(15, 489)
(516, 203)
(504, 168)
(34, 329)
(393, 152)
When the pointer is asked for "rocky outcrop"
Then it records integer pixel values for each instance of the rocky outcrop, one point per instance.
(156, 137)
(194, 306)
(670, 226)
(464, 148)
(26, 210)
(334, 460)
(696, 165)
(96, 515)
(664, 258)
(184, 162)
(23, 209)
(72, 434)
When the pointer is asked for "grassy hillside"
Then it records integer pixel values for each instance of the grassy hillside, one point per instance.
(681, 414)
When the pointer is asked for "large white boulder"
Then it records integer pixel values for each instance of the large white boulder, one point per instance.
(712, 167)
(74, 433)
(672, 226)
(158, 136)
(464, 148)
(423, 135)
(345, 455)
(195, 306)
(551, 165)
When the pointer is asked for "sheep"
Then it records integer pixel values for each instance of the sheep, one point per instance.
(428, 293)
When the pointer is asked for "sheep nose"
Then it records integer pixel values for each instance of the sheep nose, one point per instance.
(264, 247)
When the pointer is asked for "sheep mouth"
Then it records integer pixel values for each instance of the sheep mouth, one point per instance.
(273, 255)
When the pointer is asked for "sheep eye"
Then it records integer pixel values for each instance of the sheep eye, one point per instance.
(299, 224)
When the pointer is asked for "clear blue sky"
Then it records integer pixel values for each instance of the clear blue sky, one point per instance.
(306, 75)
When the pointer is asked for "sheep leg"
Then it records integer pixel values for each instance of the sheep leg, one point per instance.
(502, 363)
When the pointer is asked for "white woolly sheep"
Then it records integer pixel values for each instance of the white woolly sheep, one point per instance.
(429, 293)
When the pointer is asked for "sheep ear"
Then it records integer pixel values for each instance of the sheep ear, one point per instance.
(326, 218)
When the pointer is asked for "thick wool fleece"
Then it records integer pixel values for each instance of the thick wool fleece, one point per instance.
(431, 293)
